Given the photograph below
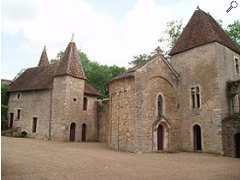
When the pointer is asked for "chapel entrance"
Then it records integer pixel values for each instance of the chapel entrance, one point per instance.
(72, 132)
(197, 138)
(160, 137)
(84, 132)
(237, 145)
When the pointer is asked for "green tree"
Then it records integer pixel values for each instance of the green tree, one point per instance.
(233, 30)
(171, 34)
(4, 105)
(140, 60)
(97, 75)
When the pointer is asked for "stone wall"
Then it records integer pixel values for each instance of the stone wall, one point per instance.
(122, 114)
(154, 79)
(32, 104)
(67, 108)
(230, 127)
(208, 66)
(133, 109)
(103, 121)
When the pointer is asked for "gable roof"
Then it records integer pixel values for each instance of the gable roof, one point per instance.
(44, 58)
(200, 30)
(130, 73)
(70, 64)
(41, 78)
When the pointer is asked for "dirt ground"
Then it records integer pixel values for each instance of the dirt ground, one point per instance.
(31, 159)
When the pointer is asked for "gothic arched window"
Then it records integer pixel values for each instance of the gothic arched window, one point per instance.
(160, 106)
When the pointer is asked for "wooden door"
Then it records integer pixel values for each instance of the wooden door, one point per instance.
(237, 145)
(197, 138)
(84, 132)
(72, 131)
(160, 137)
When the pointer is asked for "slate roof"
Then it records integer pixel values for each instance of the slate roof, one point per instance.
(200, 30)
(41, 77)
(70, 64)
(44, 58)
(128, 74)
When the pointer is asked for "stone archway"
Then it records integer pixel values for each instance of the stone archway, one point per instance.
(161, 136)
(237, 145)
(197, 138)
(72, 131)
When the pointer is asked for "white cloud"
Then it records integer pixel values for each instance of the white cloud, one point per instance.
(102, 36)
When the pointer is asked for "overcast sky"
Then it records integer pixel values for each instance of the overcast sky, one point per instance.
(110, 32)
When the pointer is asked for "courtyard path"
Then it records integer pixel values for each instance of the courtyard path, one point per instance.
(31, 159)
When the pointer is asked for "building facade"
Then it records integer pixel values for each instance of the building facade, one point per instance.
(54, 101)
(189, 102)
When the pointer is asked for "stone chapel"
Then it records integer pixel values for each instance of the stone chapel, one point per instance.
(190, 102)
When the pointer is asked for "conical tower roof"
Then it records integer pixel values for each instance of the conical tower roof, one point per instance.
(70, 63)
(44, 58)
(202, 29)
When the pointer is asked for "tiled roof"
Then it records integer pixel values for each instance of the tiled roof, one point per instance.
(37, 78)
(128, 74)
(200, 30)
(70, 64)
(41, 78)
(43, 59)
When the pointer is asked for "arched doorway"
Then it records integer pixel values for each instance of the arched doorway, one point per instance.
(197, 138)
(72, 132)
(84, 132)
(237, 145)
(160, 137)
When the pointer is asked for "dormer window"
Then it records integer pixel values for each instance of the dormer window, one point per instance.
(236, 61)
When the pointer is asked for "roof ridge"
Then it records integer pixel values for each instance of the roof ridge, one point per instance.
(70, 63)
(202, 29)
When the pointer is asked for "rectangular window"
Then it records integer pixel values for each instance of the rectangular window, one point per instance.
(34, 125)
(11, 120)
(236, 59)
(18, 114)
(85, 102)
(195, 97)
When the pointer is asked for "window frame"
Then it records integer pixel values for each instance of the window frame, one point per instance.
(195, 97)
(18, 114)
(34, 124)
(236, 65)
(85, 104)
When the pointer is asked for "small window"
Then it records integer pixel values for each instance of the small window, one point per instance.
(236, 60)
(160, 106)
(85, 102)
(34, 125)
(18, 95)
(195, 97)
(74, 99)
(18, 114)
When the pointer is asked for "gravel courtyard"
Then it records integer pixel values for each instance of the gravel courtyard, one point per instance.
(30, 159)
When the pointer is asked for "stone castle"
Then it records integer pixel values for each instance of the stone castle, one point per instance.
(190, 103)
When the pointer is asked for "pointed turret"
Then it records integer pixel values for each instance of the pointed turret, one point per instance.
(43, 59)
(202, 29)
(70, 63)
